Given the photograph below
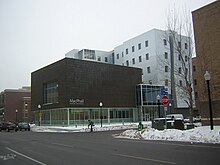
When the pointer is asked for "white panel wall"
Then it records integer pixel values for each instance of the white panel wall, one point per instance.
(156, 62)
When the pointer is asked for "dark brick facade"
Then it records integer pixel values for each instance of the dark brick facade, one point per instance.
(207, 37)
(91, 82)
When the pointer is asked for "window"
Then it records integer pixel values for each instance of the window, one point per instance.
(99, 58)
(148, 70)
(133, 60)
(196, 95)
(89, 54)
(166, 55)
(106, 59)
(122, 54)
(140, 59)
(146, 43)
(180, 70)
(127, 63)
(179, 45)
(179, 57)
(166, 68)
(181, 83)
(195, 82)
(139, 46)
(186, 58)
(50, 93)
(166, 82)
(194, 68)
(132, 48)
(147, 56)
(164, 42)
(186, 46)
(117, 56)
(126, 51)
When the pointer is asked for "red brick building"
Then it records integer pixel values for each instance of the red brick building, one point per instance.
(207, 38)
(15, 105)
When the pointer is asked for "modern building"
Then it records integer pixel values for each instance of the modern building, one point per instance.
(155, 52)
(207, 38)
(91, 55)
(15, 105)
(72, 91)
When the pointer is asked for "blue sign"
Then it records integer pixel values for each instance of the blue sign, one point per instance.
(164, 91)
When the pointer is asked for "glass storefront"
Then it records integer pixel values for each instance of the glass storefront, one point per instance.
(146, 99)
(147, 94)
(80, 116)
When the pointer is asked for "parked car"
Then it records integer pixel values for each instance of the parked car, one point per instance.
(23, 126)
(197, 119)
(8, 126)
(175, 116)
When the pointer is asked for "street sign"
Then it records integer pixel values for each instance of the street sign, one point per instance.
(165, 101)
(164, 91)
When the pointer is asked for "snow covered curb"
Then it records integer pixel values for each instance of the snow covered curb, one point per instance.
(81, 128)
(199, 135)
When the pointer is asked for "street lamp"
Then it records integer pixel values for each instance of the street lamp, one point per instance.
(25, 111)
(39, 113)
(158, 103)
(3, 113)
(16, 113)
(170, 105)
(100, 105)
(207, 77)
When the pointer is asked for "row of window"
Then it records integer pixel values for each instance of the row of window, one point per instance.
(139, 46)
(167, 82)
(166, 69)
(180, 83)
(139, 59)
(147, 58)
(179, 44)
(146, 45)
(100, 59)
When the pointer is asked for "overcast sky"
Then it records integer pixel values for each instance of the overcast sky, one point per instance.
(35, 33)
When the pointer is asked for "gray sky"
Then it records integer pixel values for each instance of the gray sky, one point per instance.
(35, 33)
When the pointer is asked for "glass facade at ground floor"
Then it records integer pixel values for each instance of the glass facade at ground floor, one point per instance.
(149, 113)
(80, 116)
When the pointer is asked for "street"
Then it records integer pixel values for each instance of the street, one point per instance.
(23, 148)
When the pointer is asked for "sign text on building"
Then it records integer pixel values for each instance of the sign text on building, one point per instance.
(76, 101)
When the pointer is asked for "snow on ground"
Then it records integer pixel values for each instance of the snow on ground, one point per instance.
(201, 134)
(85, 128)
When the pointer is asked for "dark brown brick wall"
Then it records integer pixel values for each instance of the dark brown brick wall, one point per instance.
(207, 37)
(92, 81)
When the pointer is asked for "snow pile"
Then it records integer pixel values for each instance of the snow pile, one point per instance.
(84, 128)
(199, 134)
(132, 134)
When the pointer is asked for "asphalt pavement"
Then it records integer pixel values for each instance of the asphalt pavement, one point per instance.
(99, 148)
